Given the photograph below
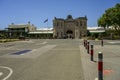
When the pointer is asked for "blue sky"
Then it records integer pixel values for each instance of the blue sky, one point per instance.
(36, 11)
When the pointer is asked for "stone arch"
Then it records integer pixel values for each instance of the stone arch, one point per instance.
(69, 33)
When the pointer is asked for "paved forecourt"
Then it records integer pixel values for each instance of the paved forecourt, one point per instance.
(57, 60)
(41, 60)
(111, 58)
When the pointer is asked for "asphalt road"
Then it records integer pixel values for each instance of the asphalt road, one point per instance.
(60, 59)
(46, 60)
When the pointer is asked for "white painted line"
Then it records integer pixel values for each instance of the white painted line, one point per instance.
(44, 42)
(11, 71)
(21, 54)
(96, 78)
(1, 73)
(112, 42)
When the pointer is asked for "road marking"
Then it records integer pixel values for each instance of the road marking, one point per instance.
(96, 78)
(11, 72)
(21, 52)
(1, 73)
(107, 72)
(44, 42)
(113, 42)
(34, 53)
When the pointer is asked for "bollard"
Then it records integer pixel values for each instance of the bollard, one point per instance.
(102, 42)
(91, 53)
(88, 47)
(86, 44)
(100, 66)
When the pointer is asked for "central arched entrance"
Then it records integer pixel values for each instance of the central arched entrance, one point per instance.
(69, 34)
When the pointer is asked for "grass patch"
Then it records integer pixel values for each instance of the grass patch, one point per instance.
(8, 40)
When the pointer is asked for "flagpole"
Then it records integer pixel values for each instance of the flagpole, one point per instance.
(47, 29)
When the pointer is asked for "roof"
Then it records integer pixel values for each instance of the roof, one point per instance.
(97, 31)
(95, 28)
(18, 26)
(41, 32)
(45, 29)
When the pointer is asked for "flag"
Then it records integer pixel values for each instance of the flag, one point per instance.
(45, 20)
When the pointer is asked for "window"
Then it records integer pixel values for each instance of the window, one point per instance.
(61, 23)
(54, 24)
(76, 23)
(85, 23)
(81, 23)
(61, 34)
(57, 33)
(57, 24)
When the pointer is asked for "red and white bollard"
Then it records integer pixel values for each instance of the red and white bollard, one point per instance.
(100, 66)
(85, 44)
(88, 47)
(91, 53)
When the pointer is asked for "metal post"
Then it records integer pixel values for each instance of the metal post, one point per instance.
(91, 53)
(88, 47)
(102, 42)
(86, 44)
(100, 66)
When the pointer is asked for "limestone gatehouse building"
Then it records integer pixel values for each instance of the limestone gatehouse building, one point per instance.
(70, 27)
(62, 28)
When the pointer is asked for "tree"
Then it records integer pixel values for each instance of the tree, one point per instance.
(111, 17)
